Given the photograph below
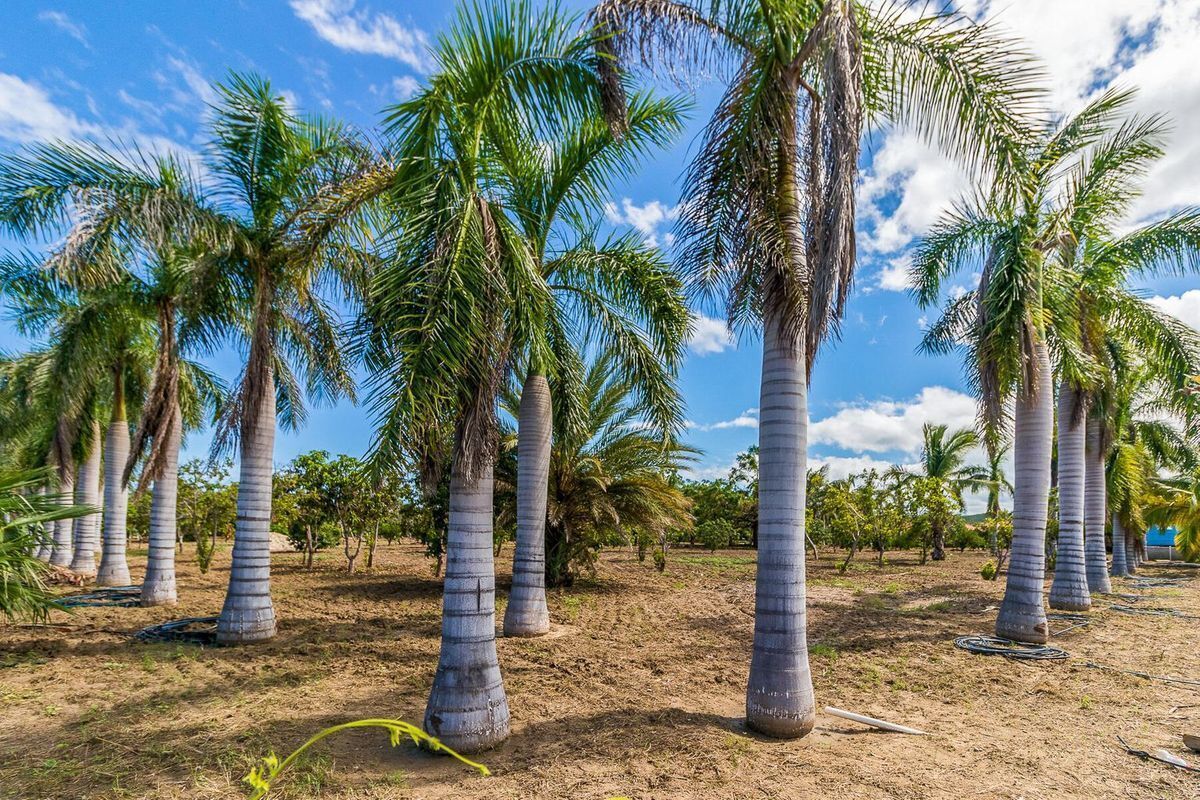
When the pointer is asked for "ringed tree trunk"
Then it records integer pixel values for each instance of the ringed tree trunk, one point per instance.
(1095, 512)
(61, 553)
(779, 694)
(1132, 557)
(467, 708)
(527, 613)
(1069, 591)
(114, 569)
(46, 547)
(1119, 567)
(87, 492)
(248, 614)
(158, 588)
(1022, 615)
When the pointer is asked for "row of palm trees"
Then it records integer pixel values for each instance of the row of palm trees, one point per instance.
(1054, 304)
(466, 246)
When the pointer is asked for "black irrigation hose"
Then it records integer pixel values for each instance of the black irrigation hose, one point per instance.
(1144, 675)
(190, 630)
(995, 646)
(114, 596)
(1153, 582)
(1147, 756)
(1152, 612)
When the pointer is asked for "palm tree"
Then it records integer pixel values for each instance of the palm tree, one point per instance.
(1102, 188)
(459, 293)
(768, 215)
(609, 476)
(1027, 301)
(270, 168)
(943, 459)
(99, 337)
(617, 293)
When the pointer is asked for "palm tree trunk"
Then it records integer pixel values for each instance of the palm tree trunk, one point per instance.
(158, 588)
(467, 708)
(1119, 567)
(779, 695)
(61, 555)
(1069, 591)
(527, 613)
(114, 569)
(1095, 512)
(87, 492)
(248, 615)
(43, 551)
(1022, 615)
(1132, 557)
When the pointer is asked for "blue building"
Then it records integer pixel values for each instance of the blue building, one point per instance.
(1160, 543)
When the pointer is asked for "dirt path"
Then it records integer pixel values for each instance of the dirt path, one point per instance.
(638, 693)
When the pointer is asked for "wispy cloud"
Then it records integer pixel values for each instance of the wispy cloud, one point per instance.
(747, 419)
(647, 218)
(709, 335)
(360, 31)
(74, 29)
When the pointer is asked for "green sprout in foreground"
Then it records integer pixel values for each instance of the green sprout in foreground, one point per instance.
(260, 777)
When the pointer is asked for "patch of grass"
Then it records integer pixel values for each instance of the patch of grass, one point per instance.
(891, 588)
(940, 607)
(148, 664)
(1086, 702)
(399, 779)
(838, 583)
(873, 602)
(51, 710)
(823, 651)
(720, 562)
(738, 746)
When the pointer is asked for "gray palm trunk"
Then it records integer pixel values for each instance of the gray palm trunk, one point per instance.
(1119, 566)
(1132, 557)
(158, 588)
(87, 492)
(1069, 590)
(114, 569)
(248, 614)
(779, 694)
(60, 555)
(467, 707)
(1095, 512)
(46, 547)
(527, 613)
(1022, 615)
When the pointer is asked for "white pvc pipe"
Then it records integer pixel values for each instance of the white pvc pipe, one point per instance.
(874, 723)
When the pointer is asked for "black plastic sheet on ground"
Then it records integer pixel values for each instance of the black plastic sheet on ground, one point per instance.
(118, 596)
(191, 630)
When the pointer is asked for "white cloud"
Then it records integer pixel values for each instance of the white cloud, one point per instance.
(844, 466)
(894, 277)
(198, 86)
(337, 22)
(405, 86)
(883, 426)
(921, 181)
(1184, 307)
(67, 25)
(747, 419)
(27, 114)
(1088, 45)
(709, 335)
(647, 219)
(709, 472)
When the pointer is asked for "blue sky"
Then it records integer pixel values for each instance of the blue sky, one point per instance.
(140, 71)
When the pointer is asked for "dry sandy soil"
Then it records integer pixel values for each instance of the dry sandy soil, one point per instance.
(637, 693)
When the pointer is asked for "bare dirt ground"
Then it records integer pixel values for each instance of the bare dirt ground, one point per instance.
(638, 693)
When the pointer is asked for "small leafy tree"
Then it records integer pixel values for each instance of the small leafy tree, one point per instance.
(207, 506)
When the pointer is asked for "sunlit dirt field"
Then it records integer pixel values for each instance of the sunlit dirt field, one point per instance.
(636, 693)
